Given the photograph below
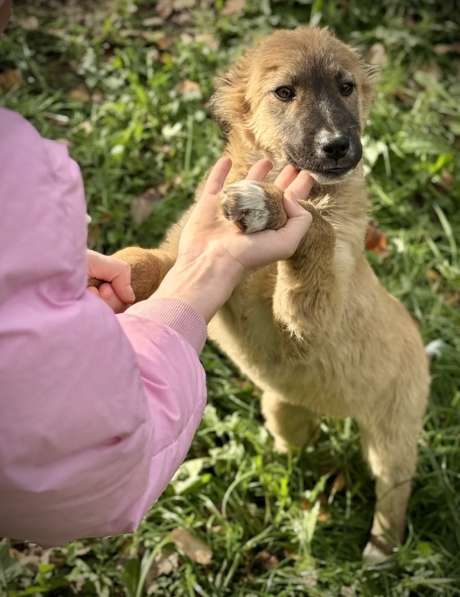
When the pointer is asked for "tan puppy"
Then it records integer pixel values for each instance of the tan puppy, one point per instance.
(318, 333)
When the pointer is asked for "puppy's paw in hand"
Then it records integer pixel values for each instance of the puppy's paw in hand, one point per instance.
(254, 206)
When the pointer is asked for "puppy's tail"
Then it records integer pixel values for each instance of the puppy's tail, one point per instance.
(434, 348)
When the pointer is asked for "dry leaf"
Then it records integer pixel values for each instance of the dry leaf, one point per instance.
(189, 89)
(377, 55)
(324, 516)
(80, 94)
(164, 42)
(233, 6)
(208, 40)
(339, 484)
(194, 548)
(29, 23)
(63, 141)
(164, 8)
(165, 563)
(266, 560)
(447, 48)
(142, 206)
(376, 241)
(10, 79)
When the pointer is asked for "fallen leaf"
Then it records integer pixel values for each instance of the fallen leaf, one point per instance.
(196, 549)
(80, 94)
(164, 41)
(375, 241)
(447, 48)
(63, 141)
(266, 560)
(189, 89)
(208, 40)
(10, 79)
(233, 6)
(377, 55)
(166, 562)
(142, 206)
(339, 484)
(29, 23)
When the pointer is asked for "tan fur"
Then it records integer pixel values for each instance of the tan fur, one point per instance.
(318, 333)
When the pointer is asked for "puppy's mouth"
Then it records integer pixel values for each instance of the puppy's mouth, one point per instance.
(320, 174)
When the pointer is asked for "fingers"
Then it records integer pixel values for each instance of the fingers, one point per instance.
(106, 293)
(109, 297)
(217, 176)
(259, 170)
(121, 282)
(113, 270)
(286, 176)
(300, 187)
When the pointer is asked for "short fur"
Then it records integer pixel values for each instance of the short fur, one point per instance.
(317, 333)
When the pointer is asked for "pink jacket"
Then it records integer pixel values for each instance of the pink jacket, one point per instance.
(97, 411)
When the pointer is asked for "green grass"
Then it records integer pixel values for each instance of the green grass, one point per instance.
(132, 129)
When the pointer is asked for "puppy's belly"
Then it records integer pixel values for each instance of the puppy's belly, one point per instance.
(271, 359)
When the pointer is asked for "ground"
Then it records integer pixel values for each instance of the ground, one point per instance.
(125, 84)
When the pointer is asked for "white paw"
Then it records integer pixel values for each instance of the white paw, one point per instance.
(374, 555)
(245, 204)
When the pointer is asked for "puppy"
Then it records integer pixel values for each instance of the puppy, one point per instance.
(317, 333)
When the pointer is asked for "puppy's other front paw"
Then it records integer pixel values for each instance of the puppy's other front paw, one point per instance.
(254, 206)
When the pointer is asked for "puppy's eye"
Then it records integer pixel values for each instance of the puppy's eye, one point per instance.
(346, 88)
(285, 93)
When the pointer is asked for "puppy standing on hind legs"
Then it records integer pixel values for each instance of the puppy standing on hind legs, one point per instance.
(317, 333)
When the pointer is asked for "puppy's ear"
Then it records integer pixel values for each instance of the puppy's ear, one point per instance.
(229, 105)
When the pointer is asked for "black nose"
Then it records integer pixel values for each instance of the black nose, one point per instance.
(337, 147)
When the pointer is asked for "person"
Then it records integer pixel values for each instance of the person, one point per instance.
(97, 409)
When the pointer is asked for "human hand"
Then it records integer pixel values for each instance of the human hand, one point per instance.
(207, 230)
(116, 288)
(214, 254)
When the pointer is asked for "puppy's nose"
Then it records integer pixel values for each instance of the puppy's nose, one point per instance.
(336, 147)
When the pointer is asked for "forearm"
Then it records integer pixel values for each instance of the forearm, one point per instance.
(205, 283)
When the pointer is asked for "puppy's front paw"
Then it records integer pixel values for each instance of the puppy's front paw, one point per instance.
(254, 206)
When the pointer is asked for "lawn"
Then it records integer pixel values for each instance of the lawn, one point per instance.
(125, 85)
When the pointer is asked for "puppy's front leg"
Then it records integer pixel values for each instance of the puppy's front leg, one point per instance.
(148, 268)
(308, 295)
(306, 292)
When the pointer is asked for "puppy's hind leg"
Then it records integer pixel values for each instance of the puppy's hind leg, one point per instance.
(391, 451)
(289, 424)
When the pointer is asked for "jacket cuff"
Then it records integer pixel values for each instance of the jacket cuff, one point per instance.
(177, 315)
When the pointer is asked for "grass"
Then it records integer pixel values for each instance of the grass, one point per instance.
(115, 82)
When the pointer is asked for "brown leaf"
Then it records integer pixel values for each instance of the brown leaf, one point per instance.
(29, 23)
(166, 562)
(164, 8)
(80, 94)
(164, 41)
(10, 79)
(196, 549)
(324, 516)
(208, 40)
(266, 560)
(375, 241)
(233, 6)
(189, 88)
(339, 484)
(142, 206)
(447, 48)
(377, 55)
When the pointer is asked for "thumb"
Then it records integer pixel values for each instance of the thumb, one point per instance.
(296, 227)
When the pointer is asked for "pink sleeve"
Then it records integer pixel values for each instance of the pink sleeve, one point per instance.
(91, 431)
